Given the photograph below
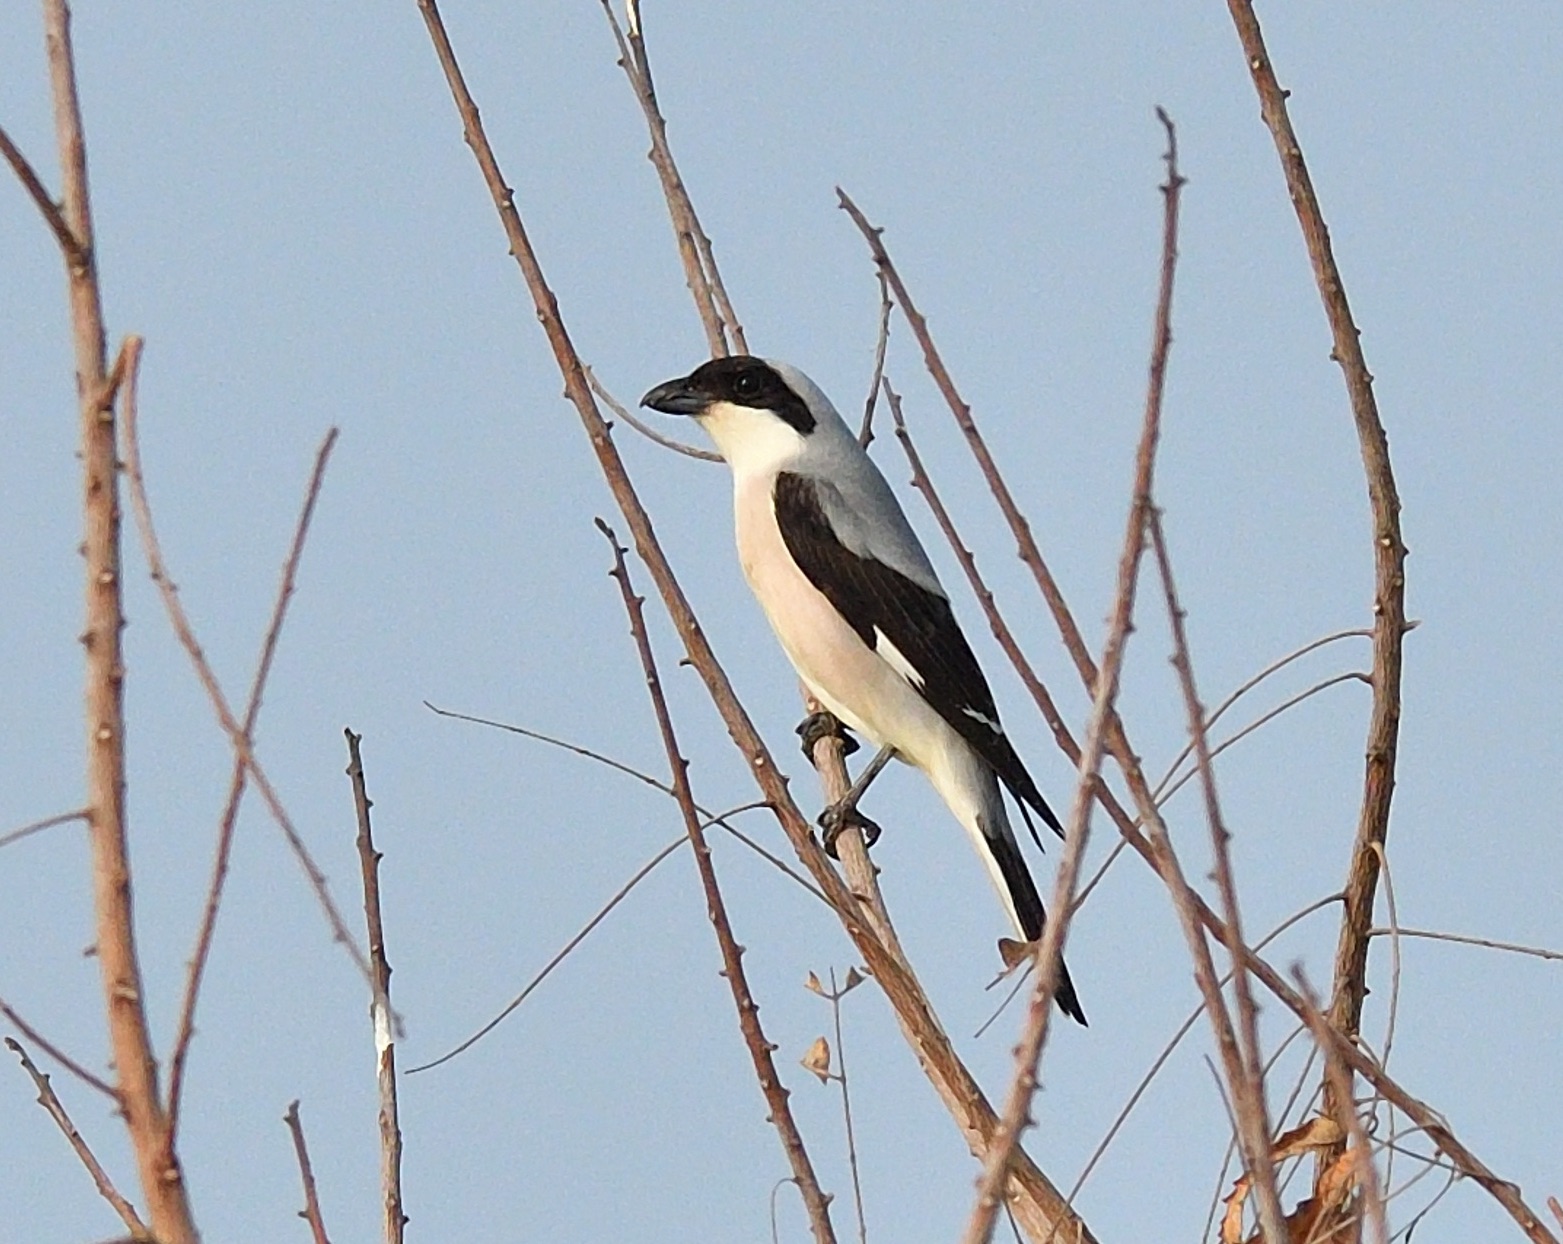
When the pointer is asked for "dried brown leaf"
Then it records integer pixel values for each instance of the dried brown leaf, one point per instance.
(1013, 952)
(817, 1059)
(1318, 1132)
(1232, 1220)
(812, 984)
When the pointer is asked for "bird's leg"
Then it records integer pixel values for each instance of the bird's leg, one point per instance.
(843, 814)
(824, 725)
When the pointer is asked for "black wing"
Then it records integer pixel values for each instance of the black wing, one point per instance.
(876, 600)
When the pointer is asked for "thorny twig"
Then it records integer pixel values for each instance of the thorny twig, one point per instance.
(35, 827)
(1017, 1109)
(724, 334)
(1339, 1081)
(1244, 1073)
(623, 413)
(619, 895)
(815, 1201)
(119, 964)
(56, 1111)
(237, 738)
(393, 1219)
(311, 1211)
(1389, 550)
(185, 1033)
(76, 255)
(719, 819)
(59, 1055)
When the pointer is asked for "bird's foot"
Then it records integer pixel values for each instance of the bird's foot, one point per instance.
(840, 817)
(824, 725)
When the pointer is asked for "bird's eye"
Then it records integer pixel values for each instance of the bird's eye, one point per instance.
(747, 384)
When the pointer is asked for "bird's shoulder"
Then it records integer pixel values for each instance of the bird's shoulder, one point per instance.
(848, 503)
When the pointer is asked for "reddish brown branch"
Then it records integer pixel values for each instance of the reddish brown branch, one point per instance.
(236, 783)
(1389, 550)
(394, 1219)
(161, 1178)
(1371, 1198)
(1038, 1204)
(37, 827)
(311, 1211)
(815, 1201)
(56, 1111)
(59, 1055)
(724, 334)
(238, 740)
(1017, 1110)
(70, 246)
(1147, 847)
(1243, 1063)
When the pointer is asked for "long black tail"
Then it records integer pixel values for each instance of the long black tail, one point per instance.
(1028, 906)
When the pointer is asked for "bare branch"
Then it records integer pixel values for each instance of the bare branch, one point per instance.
(719, 819)
(106, 1189)
(619, 895)
(380, 1006)
(1244, 1072)
(865, 433)
(1172, 1044)
(311, 1211)
(1275, 667)
(1513, 948)
(59, 1055)
(1148, 846)
(70, 246)
(185, 1033)
(36, 827)
(238, 739)
(1168, 788)
(815, 1201)
(724, 334)
(834, 997)
(1372, 1195)
(1049, 954)
(162, 1180)
(1389, 550)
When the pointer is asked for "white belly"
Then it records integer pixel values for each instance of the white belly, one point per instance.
(849, 678)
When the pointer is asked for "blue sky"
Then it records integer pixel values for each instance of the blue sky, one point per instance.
(287, 213)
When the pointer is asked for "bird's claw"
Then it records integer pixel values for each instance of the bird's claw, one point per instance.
(824, 725)
(836, 820)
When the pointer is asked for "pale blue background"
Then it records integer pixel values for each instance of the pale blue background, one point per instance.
(287, 213)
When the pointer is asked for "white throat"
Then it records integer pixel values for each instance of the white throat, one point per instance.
(754, 442)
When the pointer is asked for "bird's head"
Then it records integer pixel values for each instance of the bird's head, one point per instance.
(761, 413)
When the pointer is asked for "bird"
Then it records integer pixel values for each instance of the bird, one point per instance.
(859, 611)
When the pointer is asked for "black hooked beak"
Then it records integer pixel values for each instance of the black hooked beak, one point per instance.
(677, 397)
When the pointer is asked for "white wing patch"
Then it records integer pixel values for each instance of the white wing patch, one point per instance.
(895, 660)
(984, 719)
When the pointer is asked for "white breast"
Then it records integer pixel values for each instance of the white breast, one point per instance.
(849, 677)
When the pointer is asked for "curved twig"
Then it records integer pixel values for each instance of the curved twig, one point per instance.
(48, 822)
(1389, 550)
(720, 819)
(621, 412)
(619, 896)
